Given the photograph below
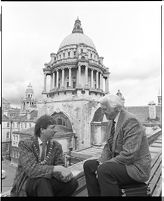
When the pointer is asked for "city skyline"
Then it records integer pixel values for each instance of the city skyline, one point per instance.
(127, 35)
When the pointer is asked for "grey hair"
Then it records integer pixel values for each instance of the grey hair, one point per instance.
(113, 100)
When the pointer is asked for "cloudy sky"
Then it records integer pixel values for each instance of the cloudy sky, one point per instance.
(126, 34)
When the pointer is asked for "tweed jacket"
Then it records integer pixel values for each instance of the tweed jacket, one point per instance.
(29, 165)
(130, 147)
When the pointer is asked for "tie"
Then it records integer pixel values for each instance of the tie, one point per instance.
(43, 151)
(110, 140)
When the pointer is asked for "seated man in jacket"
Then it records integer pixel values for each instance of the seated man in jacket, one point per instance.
(125, 158)
(41, 170)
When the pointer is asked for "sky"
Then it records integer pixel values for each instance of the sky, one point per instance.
(126, 34)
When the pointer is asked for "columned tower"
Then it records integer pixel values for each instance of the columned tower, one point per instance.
(78, 78)
(28, 103)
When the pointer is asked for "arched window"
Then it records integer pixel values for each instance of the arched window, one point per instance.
(59, 121)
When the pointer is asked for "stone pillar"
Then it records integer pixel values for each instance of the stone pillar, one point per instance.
(45, 82)
(152, 110)
(101, 81)
(57, 78)
(51, 84)
(86, 76)
(91, 78)
(63, 77)
(54, 81)
(97, 76)
(79, 75)
(107, 84)
(70, 77)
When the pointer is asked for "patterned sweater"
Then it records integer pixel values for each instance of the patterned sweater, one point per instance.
(29, 164)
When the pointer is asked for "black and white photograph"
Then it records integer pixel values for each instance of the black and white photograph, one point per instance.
(81, 98)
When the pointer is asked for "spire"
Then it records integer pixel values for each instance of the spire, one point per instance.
(77, 27)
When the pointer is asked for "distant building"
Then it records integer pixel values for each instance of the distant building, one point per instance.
(28, 103)
(15, 123)
(5, 105)
(147, 114)
(15, 119)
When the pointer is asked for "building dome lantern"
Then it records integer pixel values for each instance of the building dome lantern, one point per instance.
(77, 27)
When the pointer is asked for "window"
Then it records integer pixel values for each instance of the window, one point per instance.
(81, 50)
(63, 55)
(7, 135)
(74, 53)
(74, 84)
(67, 84)
(91, 55)
(7, 124)
(68, 54)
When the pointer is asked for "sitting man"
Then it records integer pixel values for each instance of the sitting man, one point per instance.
(41, 170)
(125, 158)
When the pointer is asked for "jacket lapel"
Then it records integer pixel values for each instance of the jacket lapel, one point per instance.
(36, 146)
(118, 126)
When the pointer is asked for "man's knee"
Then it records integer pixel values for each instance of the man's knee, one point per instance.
(104, 169)
(88, 164)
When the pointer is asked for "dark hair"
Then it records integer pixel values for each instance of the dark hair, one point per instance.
(43, 122)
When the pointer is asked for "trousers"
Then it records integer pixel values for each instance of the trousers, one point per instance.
(45, 187)
(106, 179)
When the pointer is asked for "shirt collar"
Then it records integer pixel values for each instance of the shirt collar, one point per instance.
(116, 118)
(39, 141)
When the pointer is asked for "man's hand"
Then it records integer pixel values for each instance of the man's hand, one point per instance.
(66, 174)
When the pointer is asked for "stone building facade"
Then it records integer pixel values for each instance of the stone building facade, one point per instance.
(78, 78)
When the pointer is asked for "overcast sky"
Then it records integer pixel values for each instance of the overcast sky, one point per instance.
(126, 34)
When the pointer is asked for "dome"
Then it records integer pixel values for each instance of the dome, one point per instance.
(77, 37)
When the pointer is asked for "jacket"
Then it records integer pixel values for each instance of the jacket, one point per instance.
(29, 165)
(130, 147)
